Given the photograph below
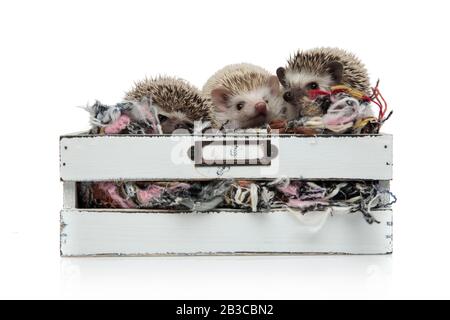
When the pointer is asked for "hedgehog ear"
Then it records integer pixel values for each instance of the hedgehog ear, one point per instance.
(220, 98)
(281, 74)
(274, 85)
(336, 70)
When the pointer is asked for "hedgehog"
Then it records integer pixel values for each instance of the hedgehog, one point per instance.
(179, 104)
(320, 68)
(245, 96)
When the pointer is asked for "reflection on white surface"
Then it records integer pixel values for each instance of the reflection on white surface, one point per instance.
(238, 277)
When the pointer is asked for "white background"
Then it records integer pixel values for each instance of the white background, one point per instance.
(55, 55)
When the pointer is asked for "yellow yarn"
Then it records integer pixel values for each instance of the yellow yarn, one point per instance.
(361, 123)
(353, 92)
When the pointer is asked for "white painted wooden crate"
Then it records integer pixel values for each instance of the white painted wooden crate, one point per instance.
(94, 232)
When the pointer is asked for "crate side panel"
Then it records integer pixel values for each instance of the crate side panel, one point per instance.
(162, 157)
(86, 233)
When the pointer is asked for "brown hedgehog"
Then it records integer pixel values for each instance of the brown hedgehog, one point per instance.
(320, 68)
(179, 104)
(245, 96)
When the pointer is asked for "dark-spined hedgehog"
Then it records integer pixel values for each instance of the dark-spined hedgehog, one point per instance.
(179, 103)
(320, 68)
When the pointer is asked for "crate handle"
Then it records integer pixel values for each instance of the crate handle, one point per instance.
(239, 152)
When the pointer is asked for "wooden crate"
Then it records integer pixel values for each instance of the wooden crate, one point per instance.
(97, 232)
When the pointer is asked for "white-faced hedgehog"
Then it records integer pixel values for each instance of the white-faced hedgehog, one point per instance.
(245, 96)
(179, 104)
(320, 68)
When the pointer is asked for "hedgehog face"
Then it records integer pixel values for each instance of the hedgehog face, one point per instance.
(245, 110)
(298, 83)
(248, 109)
(174, 121)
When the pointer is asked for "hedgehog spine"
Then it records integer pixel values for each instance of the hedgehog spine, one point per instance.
(179, 103)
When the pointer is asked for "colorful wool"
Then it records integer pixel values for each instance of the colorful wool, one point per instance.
(124, 118)
(346, 110)
(118, 125)
(304, 196)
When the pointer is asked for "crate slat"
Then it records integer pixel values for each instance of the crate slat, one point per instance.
(89, 158)
(134, 233)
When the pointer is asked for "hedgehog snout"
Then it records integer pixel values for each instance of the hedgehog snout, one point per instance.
(261, 108)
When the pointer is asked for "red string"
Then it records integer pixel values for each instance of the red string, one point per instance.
(385, 103)
(313, 94)
(376, 98)
(379, 100)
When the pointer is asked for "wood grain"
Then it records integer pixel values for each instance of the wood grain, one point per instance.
(139, 233)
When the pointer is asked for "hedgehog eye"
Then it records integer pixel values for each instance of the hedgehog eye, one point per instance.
(162, 118)
(182, 125)
(240, 105)
(313, 86)
(287, 96)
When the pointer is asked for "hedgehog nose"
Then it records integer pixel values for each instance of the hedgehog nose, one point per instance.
(261, 108)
